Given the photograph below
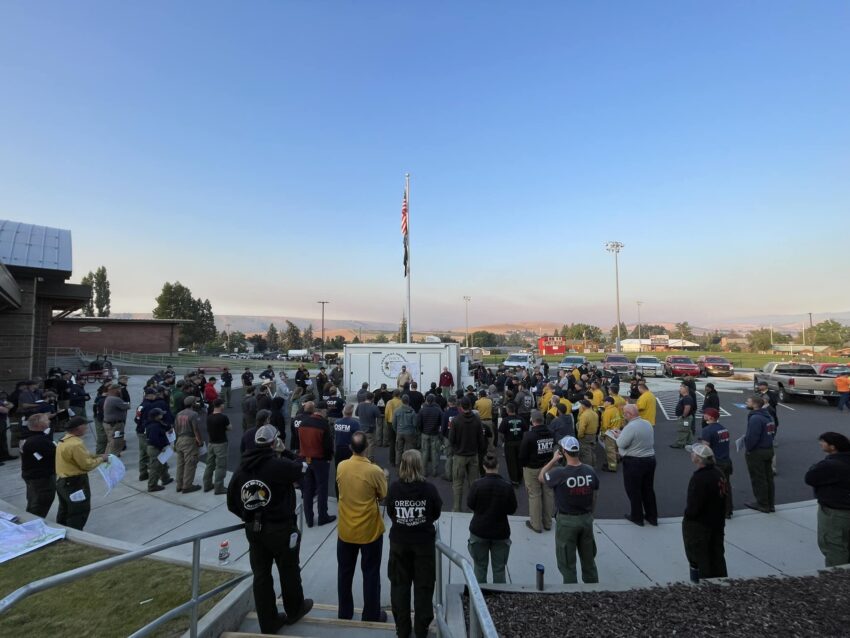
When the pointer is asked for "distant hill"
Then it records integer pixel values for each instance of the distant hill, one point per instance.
(349, 328)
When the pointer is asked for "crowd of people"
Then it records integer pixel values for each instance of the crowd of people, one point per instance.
(552, 434)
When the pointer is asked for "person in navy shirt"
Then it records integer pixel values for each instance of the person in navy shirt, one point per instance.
(717, 438)
(343, 429)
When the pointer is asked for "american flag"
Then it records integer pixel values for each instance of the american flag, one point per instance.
(404, 229)
(404, 215)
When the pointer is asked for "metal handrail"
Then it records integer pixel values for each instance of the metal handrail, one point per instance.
(480, 621)
(191, 605)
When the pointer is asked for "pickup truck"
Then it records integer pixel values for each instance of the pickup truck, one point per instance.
(795, 380)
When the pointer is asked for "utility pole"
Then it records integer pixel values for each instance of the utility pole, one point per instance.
(323, 329)
(812, 333)
(467, 300)
(227, 332)
(615, 247)
(640, 343)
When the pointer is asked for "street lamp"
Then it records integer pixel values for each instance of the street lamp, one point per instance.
(323, 329)
(615, 247)
(640, 343)
(467, 300)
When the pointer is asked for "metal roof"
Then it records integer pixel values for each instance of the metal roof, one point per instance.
(38, 247)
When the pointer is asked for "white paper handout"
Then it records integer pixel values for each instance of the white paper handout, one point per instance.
(171, 436)
(112, 472)
(166, 454)
(77, 497)
(614, 434)
(202, 450)
(739, 444)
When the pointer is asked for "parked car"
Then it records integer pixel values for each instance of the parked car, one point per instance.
(715, 366)
(679, 366)
(618, 363)
(572, 361)
(649, 366)
(796, 380)
(831, 369)
(519, 360)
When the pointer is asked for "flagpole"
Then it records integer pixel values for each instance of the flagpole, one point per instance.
(407, 191)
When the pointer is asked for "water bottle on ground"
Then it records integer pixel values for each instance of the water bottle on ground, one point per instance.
(224, 553)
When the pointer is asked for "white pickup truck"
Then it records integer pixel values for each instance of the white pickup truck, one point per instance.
(796, 380)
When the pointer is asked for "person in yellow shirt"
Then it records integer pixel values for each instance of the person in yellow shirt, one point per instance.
(576, 374)
(484, 406)
(389, 411)
(361, 486)
(614, 393)
(551, 410)
(612, 419)
(567, 403)
(598, 396)
(73, 464)
(586, 431)
(646, 404)
(545, 399)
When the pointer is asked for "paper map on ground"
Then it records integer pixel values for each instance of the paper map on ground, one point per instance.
(112, 472)
(16, 540)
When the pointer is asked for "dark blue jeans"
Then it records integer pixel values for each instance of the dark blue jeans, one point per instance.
(843, 400)
(314, 485)
(370, 565)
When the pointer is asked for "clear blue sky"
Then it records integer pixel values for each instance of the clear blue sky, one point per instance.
(256, 152)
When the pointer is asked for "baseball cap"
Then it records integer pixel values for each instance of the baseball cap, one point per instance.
(714, 413)
(75, 422)
(569, 443)
(265, 435)
(701, 450)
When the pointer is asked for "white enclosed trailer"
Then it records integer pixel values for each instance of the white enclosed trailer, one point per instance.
(377, 363)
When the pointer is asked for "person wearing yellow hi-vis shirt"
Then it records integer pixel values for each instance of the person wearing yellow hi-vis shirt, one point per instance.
(612, 419)
(73, 464)
(646, 404)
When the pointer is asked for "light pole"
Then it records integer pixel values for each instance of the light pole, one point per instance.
(323, 329)
(615, 247)
(467, 300)
(640, 343)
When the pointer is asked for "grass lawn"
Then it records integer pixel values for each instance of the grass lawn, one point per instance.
(738, 359)
(103, 605)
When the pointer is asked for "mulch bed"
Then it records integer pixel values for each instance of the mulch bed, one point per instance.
(805, 606)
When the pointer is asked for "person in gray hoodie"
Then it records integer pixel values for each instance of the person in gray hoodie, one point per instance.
(404, 422)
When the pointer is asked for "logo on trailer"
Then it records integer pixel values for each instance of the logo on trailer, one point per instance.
(391, 365)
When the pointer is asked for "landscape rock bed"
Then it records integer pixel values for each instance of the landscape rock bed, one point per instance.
(804, 607)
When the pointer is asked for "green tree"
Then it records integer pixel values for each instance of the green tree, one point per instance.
(761, 339)
(682, 331)
(828, 333)
(273, 337)
(582, 331)
(176, 302)
(292, 337)
(613, 332)
(307, 336)
(402, 330)
(88, 308)
(101, 292)
(260, 343)
(381, 338)
(484, 339)
(647, 330)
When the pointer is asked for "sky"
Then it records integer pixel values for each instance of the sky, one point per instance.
(256, 152)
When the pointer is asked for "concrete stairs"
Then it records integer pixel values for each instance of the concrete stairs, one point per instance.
(321, 622)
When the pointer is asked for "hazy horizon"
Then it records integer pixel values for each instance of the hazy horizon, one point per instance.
(257, 153)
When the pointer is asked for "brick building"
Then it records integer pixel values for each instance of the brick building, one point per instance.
(35, 263)
(106, 334)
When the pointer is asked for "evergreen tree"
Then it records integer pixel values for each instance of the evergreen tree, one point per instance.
(176, 302)
(101, 292)
(88, 308)
(273, 337)
(402, 330)
(307, 336)
(292, 337)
